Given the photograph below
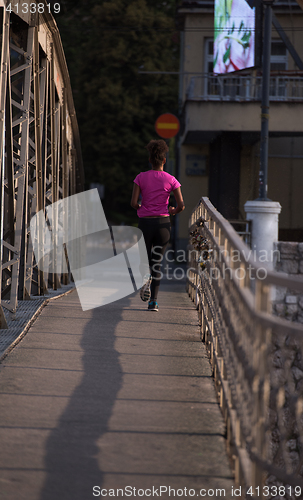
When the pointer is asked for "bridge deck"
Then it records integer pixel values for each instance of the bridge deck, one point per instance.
(113, 397)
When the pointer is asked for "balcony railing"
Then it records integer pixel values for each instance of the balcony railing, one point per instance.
(209, 87)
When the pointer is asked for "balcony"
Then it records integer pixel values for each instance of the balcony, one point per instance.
(232, 103)
(209, 87)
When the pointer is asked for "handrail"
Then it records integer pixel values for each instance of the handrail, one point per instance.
(246, 343)
(273, 278)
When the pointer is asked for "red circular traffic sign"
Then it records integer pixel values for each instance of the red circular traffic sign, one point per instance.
(167, 125)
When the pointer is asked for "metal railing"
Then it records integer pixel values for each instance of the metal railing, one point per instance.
(243, 229)
(209, 87)
(254, 355)
(40, 149)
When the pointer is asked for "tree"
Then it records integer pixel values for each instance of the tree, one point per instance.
(116, 105)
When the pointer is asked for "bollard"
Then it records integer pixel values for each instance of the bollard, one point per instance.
(264, 231)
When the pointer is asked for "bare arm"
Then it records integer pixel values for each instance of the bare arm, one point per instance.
(180, 203)
(134, 201)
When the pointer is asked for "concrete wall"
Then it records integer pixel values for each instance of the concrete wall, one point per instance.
(288, 304)
(196, 30)
(193, 188)
(291, 22)
(249, 175)
(285, 177)
(242, 116)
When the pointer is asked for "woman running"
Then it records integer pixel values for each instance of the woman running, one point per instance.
(155, 186)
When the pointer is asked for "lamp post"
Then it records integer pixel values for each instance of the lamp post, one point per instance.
(264, 213)
(263, 173)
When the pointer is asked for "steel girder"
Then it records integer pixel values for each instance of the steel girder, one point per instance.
(40, 148)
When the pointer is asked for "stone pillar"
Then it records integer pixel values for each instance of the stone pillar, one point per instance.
(264, 216)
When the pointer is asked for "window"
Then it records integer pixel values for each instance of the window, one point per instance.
(209, 55)
(210, 82)
(278, 62)
(278, 57)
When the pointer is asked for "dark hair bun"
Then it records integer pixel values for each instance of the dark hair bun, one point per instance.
(157, 151)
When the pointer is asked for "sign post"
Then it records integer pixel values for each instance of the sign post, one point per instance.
(167, 126)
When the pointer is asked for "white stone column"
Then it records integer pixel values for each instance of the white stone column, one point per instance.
(264, 216)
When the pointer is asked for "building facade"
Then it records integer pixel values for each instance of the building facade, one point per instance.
(219, 145)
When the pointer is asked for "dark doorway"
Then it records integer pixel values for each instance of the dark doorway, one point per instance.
(224, 175)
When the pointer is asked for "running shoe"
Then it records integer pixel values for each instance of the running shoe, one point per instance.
(153, 306)
(145, 292)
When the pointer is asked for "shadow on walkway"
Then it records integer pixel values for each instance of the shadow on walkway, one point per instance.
(110, 397)
(71, 451)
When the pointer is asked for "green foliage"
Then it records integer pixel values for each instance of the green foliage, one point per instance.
(106, 44)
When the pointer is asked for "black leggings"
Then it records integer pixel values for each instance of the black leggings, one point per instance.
(156, 232)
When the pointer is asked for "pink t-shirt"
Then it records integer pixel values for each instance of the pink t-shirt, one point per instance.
(155, 187)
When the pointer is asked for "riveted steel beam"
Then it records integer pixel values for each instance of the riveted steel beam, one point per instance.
(40, 150)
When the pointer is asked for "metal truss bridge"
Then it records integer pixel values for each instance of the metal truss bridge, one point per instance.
(40, 146)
